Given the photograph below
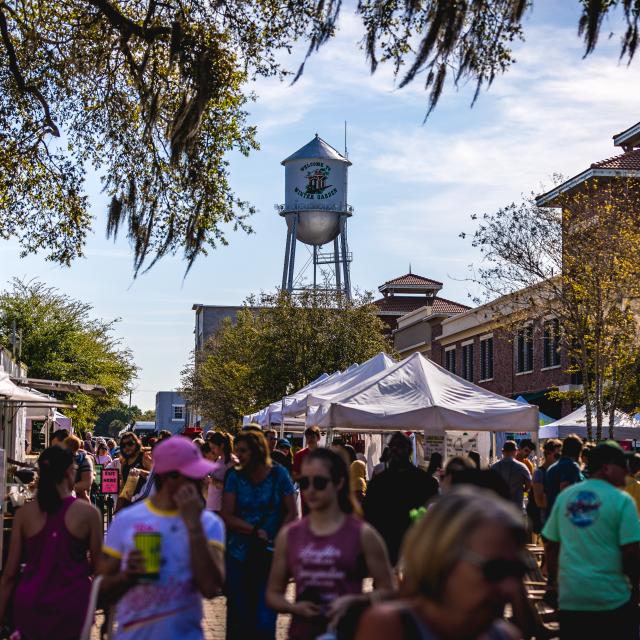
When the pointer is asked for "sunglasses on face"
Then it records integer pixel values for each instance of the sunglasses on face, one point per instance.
(319, 483)
(495, 570)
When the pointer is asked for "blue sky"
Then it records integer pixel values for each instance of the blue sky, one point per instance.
(413, 186)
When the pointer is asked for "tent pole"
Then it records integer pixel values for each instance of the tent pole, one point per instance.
(282, 419)
(535, 440)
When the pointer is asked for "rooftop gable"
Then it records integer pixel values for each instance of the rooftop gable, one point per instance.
(629, 138)
(626, 165)
(401, 305)
(410, 283)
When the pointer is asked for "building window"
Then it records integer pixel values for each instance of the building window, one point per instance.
(467, 362)
(486, 358)
(178, 412)
(450, 360)
(551, 341)
(524, 350)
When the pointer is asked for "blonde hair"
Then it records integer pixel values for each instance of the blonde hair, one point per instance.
(435, 544)
(73, 443)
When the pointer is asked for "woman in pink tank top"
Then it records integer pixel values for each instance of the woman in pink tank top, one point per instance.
(51, 536)
(327, 553)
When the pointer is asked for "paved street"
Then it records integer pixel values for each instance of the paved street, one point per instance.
(214, 620)
(214, 611)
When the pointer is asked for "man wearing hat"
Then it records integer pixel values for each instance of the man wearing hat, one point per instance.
(592, 536)
(282, 454)
(162, 555)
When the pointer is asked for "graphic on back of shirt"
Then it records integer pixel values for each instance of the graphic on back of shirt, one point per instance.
(583, 510)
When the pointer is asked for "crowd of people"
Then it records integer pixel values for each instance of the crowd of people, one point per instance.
(444, 546)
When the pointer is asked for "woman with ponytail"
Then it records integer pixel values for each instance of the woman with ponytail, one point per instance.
(51, 537)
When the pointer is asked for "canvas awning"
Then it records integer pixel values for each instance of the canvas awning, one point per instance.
(13, 394)
(625, 427)
(61, 386)
(417, 394)
(350, 379)
(272, 414)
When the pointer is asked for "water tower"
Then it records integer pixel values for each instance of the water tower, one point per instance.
(316, 213)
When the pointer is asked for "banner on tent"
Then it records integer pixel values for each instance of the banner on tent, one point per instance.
(433, 444)
(460, 444)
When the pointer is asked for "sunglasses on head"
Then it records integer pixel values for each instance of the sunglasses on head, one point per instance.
(319, 482)
(495, 570)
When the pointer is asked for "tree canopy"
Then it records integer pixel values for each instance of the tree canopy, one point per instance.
(279, 344)
(152, 96)
(578, 262)
(60, 340)
(120, 412)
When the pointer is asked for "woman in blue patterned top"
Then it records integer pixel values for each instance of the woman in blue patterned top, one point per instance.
(258, 499)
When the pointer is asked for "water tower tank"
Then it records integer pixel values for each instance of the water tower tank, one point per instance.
(315, 192)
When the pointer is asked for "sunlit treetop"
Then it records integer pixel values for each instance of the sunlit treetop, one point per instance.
(152, 95)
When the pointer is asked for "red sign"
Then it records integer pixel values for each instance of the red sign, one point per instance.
(110, 481)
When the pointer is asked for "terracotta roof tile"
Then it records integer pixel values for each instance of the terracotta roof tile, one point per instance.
(442, 305)
(405, 304)
(629, 161)
(412, 279)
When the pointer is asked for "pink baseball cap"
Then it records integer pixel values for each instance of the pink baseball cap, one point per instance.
(180, 454)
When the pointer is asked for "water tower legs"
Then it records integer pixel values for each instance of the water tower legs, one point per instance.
(287, 250)
(290, 256)
(345, 257)
(339, 259)
(336, 262)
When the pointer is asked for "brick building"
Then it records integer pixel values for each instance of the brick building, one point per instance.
(625, 165)
(526, 360)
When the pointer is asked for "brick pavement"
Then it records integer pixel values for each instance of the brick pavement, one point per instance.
(215, 615)
(214, 620)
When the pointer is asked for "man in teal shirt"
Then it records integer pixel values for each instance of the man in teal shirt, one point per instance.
(593, 534)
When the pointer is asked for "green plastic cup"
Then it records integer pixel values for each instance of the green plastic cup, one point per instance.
(150, 546)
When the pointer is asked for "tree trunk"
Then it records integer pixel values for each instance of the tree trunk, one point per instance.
(586, 390)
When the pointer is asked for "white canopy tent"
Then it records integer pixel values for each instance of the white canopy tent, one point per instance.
(272, 411)
(625, 427)
(277, 410)
(290, 411)
(417, 394)
(350, 379)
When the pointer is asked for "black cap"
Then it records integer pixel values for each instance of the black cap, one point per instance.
(608, 452)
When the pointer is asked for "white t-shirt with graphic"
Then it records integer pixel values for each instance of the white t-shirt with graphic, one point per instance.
(171, 607)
